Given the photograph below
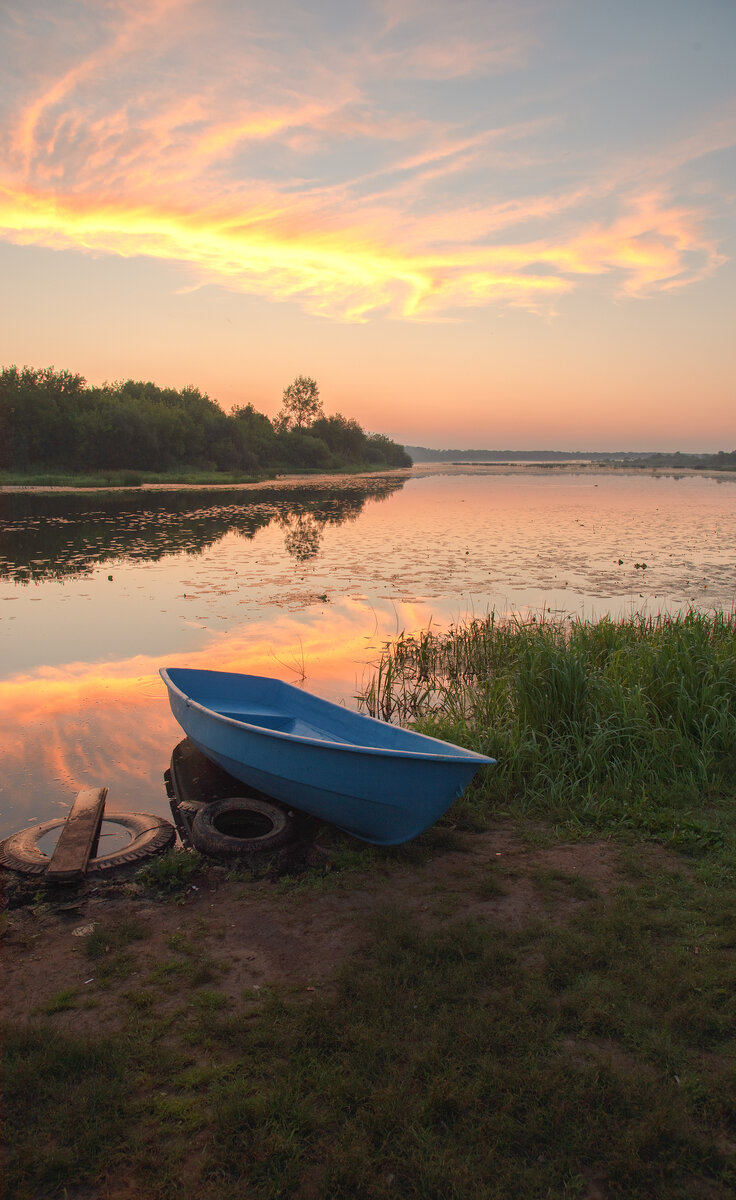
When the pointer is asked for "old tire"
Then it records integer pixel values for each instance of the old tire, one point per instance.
(241, 825)
(149, 835)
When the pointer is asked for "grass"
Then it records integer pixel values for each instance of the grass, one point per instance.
(472, 1059)
(123, 478)
(172, 874)
(107, 938)
(605, 726)
(106, 948)
(187, 478)
(62, 1001)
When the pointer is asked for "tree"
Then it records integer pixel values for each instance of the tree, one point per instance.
(343, 436)
(256, 436)
(300, 405)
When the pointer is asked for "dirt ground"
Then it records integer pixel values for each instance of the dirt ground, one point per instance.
(260, 932)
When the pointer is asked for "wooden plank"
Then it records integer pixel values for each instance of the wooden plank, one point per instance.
(79, 836)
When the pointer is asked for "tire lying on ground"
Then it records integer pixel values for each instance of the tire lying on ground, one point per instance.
(241, 825)
(148, 835)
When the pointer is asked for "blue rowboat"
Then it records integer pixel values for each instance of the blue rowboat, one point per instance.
(376, 781)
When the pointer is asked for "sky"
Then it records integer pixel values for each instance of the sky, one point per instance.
(475, 223)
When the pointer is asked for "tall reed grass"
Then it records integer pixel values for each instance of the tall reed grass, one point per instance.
(599, 720)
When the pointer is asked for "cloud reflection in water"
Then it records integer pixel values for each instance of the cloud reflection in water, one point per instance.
(88, 725)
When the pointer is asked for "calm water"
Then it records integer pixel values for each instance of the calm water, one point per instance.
(303, 581)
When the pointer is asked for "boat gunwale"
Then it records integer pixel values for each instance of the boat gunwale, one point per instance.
(465, 755)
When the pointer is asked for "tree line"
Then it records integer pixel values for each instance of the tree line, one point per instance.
(54, 420)
(722, 460)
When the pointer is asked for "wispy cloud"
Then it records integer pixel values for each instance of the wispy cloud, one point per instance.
(38, 125)
(435, 40)
(284, 169)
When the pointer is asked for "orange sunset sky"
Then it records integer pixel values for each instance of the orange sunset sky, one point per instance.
(492, 223)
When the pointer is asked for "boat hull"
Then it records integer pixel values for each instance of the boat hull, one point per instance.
(382, 784)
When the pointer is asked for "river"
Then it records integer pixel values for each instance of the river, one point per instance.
(304, 580)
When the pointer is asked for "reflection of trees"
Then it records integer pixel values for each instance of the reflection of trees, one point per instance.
(303, 536)
(304, 523)
(44, 536)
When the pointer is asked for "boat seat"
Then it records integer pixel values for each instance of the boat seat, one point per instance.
(267, 720)
(282, 723)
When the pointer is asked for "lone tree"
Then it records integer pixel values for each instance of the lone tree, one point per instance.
(300, 404)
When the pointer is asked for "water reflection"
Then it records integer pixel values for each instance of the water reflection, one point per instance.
(46, 536)
(303, 536)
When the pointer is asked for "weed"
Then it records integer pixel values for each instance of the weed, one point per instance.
(196, 1077)
(177, 941)
(202, 970)
(139, 999)
(172, 872)
(61, 1001)
(108, 938)
(163, 971)
(176, 1112)
(209, 1001)
(112, 969)
(191, 966)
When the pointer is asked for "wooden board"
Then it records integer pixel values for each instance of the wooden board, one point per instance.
(79, 836)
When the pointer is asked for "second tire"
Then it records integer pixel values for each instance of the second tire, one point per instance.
(241, 825)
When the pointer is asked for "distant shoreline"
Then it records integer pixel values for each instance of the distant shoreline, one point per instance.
(577, 468)
(417, 469)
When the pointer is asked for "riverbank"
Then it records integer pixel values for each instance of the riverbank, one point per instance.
(10, 483)
(176, 481)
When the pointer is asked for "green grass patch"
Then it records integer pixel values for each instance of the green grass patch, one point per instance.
(66, 1103)
(172, 872)
(625, 726)
(189, 966)
(115, 479)
(208, 1001)
(557, 884)
(62, 1001)
(106, 946)
(125, 478)
(110, 937)
(140, 999)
